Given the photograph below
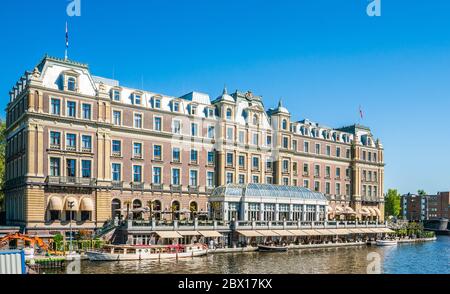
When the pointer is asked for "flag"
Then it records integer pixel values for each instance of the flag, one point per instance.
(361, 112)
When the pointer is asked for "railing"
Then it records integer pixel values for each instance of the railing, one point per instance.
(193, 189)
(55, 146)
(71, 148)
(157, 187)
(117, 184)
(137, 156)
(117, 154)
(176, 188)
(86, 149)
(137, 186)
(70, 181)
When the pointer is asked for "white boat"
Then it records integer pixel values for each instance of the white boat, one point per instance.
(123, 253)
(387, 243)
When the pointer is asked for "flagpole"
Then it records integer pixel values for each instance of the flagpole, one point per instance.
(67, 42)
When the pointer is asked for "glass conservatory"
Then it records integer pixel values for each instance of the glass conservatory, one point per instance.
(261, 202)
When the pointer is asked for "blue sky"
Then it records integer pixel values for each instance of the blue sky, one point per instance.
(324, 58)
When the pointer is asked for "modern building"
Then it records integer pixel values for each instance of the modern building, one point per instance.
(87, 149)
(425, 207)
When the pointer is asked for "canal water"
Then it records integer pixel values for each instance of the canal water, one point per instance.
(420, 258)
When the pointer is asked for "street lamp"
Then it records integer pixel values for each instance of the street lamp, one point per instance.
(71, 205)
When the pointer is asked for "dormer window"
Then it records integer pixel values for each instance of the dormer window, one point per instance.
(157, 103)
(137, 99)
(115, 95)
(71, 84)
(193, 110)
(210, 112)
(176, 107)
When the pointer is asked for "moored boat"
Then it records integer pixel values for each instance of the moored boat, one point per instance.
(125, 252)
(387, 242)
(270, 248)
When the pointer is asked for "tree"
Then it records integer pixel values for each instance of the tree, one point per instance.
(421, 193)
(392, 203)
(2, 161)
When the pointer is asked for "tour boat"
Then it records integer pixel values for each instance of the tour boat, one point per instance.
(122, 253)
(270, 248)
(387, 242)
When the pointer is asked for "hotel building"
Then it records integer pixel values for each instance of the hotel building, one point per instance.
(87, 149)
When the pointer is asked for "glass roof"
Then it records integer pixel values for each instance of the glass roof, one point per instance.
(263, 190)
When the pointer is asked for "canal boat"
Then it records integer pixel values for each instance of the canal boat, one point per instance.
(272, 248)
(126, 253)
(387, 243)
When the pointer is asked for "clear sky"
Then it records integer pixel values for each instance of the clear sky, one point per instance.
(324, 58)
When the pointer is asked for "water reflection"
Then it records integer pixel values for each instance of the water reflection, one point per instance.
(430, 257)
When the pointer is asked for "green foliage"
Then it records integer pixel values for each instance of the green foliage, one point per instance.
(421, 193)
(392, 203)
(2, 161)
(58, 241)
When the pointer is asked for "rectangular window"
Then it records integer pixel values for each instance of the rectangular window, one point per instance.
(328, 150)
(317, 186)
(116, 148)
(55, 139)
(210, 157)
(318, 149)
(86, 168)
(55, 106)
(137, 174)
(241, 137)
(193, 110)
(305, 169)
(327, 188)
(294, 145)
(364, 155)
(338, 152)
(241, 179)
(229, 159)
(286, 181)
(176, 107)
(86, 111)
(255, 139)
(176, 176)
(157, 124)
(156, 175)
(338, 172)
(269, 140)
(55, 167)
(157, 152)
(241, 161)
(138, 120)
(71, 168)
(137, 150)
(327, 172)
(157, 103)
(210, 179)
(194, 156)
(176, 127)
(194, 130)
(285, 166)
(211, 132)
(71, 109)
(193, 178)
(269, 180)
(317, 170)
(255, 179)
(338, 189)
(255, 163)
(116, 172)
(117, 117)
(86, 142)
(306, 147)
(71, 142)
(176, 157)
(285, 142)
(347, 151)
(306, 184)
(230, 134)
(229, 178)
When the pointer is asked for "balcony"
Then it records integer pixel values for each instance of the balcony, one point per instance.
(116, 154)
(176, 188)
(86, 149)
(71, 148)
(137, 156)
(193, 189)
(55, 146)
(72, 181)
(137, 186)
(158, 187)
(117, 184)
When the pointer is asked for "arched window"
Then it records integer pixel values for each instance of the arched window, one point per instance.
(71, 84)
(137, 204)
(255, 119)
(193, 208)
(175, 208)
(156, 209)
(116, 207)
(229, 113)
(284, 124)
